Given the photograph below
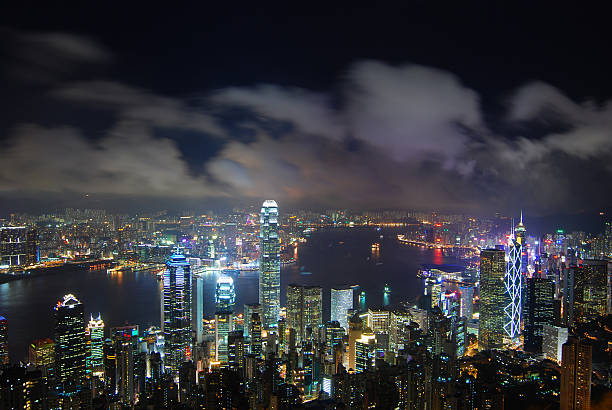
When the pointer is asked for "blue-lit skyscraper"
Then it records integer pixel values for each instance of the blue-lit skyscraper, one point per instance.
(177, 312)
(514, 287)
(269, 268)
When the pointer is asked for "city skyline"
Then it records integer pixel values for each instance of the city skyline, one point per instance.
(391, 206)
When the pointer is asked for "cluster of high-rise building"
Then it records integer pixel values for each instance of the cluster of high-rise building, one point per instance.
(520, 328)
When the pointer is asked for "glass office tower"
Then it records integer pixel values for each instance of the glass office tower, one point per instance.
(269, 268)
(176, 323)
(492, 299)
(70, 345)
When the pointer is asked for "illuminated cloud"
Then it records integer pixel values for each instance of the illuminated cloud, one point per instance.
(401, 136)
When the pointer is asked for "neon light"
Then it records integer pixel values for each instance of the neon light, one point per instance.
(514, 283)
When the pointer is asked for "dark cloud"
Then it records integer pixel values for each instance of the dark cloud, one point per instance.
(140, 105)
(47, 57)
(405, 136)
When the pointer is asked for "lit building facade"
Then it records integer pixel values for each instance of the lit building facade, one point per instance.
(587, 292)
(4, 356)
(269, 265)
(176, 323)
(41, 354)
(225, 294)
(304, 309)
(576, 369)
(378, 320)
(365, 352)
(552, 341)
(492, 299)
(520, 234)
(223, 326)
(18, 246)
(539, 311)
(249, 309)
(255, 341)
(514, 288)
(198, 307)
(467, 301)
(341, 302)
(95, 346)
(70, 345)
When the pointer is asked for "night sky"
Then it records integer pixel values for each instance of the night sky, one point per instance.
(468, 108)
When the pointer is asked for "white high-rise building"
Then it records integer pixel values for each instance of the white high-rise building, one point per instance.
(341, 303)
(552, 341)
(269, 266)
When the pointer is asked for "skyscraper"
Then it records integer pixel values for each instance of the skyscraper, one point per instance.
(514, 287)
(4, 357)
(95, 346)
(341, 303)
(123, 338)
(467, 301)
(304, 309)
(356, 328)
(249, 309)
(255, 343)
(70, 347)
(365, 349)
(539, 311)
(492, 299)
(269, 266)
(41, 354)
(586, 291)
(552, 341)
(520, 234)
(18, 246)
(236, 351)
(176, 323)
(230, 240)
(223, 326)
(576, 368)
(198, 307)
(225, 294)
(225, 297)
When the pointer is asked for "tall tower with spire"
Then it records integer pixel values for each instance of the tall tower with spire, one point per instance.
(520, 234)
(514, 284)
